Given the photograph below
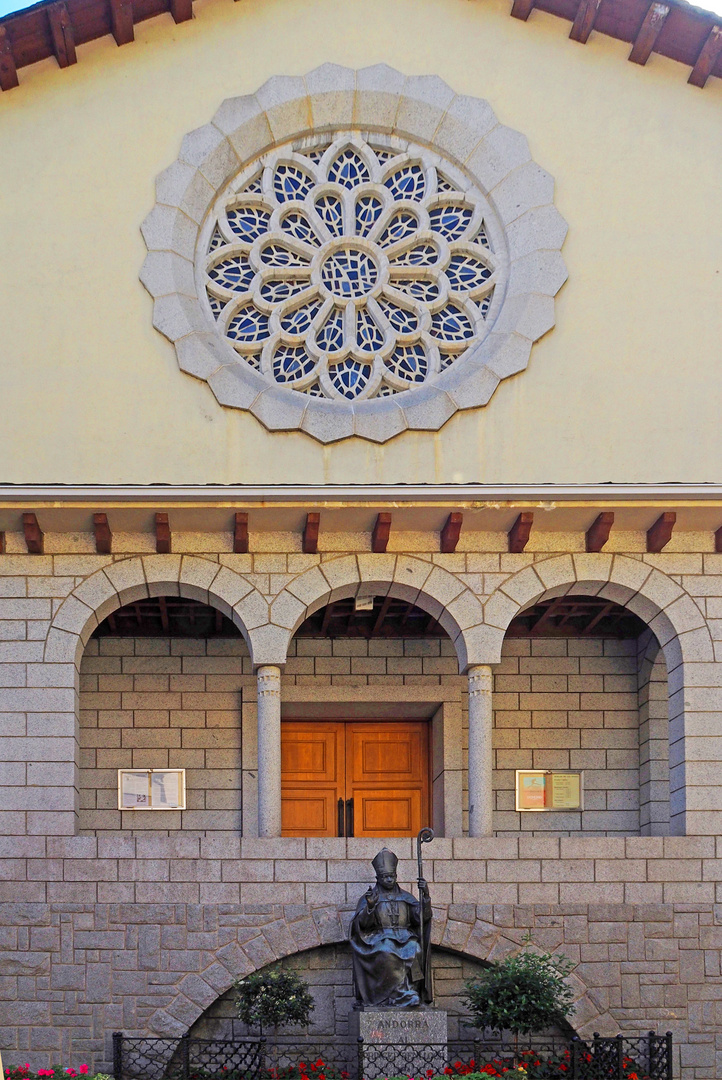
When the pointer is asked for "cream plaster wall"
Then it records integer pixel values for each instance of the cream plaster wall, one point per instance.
(610, 394)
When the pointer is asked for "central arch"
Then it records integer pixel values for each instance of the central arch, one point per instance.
(418, 581)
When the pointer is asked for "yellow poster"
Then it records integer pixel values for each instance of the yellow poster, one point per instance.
(565, 791)
(531, 792)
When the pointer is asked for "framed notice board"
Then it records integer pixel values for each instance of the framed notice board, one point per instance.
(151, 789)
(541, 789)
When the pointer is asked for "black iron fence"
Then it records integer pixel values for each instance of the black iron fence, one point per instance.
(645, 1056)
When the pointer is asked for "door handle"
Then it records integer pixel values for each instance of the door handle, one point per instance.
(340, 831)
(349, 817)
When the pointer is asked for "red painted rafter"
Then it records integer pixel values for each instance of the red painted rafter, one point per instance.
(240, 534)
(520, 531)
(8, 70)
(584, 20)
(661, 532)
(598, 532)
(649, 32)
(163, 542)
(34, 536)
(381, 533)
(707, 58)
(103, 535)
(63, 35)
(449, 536)
(310, 533)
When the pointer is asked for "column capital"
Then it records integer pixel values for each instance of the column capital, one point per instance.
(480, 678)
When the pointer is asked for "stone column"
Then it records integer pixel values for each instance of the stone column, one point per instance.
(269, 750)
(480, 754)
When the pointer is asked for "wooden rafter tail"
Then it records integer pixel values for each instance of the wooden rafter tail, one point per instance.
(181, 10)
(659, 535)
(707, 58)
(2, 543)
(121, 18)
(34, 536)
(103, 535)
(598, 532)
(522, 9)
(449, 536)
(164, 620)
(8, 70)
(63, 35)
(718, 539)
(584, 20)
(240, 534)
(518, 536)
(310, 533)
(648, 33)
(163, 542)
(381, 532)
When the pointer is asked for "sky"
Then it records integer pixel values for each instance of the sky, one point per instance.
(6, 6)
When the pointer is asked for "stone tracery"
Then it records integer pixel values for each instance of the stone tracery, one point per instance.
(351, 268)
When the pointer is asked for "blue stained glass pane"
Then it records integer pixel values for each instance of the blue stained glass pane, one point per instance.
(215, 304)
(234, 273)
(248, 324)
(349, 170)
(330, 211)
(402, 320)
(274, 291)
(249, 222)
(290, 182)
(349, 272)
(451, 221)
(409, 362)
(419, 288)
(290, 363)
(421, 255)
(349, 377)
(368, 336)
(297, 224)
(451, 325)
(408, 182)
(330, 336)
(368, 209)
(401, 225)
(464, 273)
(278, 255)
(216, 240)
(298, 321)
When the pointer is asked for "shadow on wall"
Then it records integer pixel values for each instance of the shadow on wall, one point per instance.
(327, 970)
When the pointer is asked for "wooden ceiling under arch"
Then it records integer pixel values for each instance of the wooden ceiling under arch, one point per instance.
(563, 616)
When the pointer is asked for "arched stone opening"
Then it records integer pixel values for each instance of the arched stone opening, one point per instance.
(327, 971)
(684, 638)
(129, 582)
(582, 687)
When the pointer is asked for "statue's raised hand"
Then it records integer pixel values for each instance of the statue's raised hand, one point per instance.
(371, 896)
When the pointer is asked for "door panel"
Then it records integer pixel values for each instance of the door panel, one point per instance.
(312, 777)
(382, 766)
(387, 776)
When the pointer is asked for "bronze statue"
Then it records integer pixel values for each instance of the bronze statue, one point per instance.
(389, 939)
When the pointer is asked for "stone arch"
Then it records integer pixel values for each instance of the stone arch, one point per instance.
(131, 579)
(684, 638)
(419, 581)
(479, 940)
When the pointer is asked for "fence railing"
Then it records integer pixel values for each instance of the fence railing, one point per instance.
(647, 1055)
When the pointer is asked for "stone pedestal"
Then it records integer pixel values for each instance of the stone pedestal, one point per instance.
(400, 1042)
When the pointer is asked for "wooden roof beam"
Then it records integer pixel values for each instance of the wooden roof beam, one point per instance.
(2, 543)
(163, 541)
(8, 70)
(707, 58)
(522, 9)
(648, 33)
(718, 539)
(661, 532)
(181, 10)
(310, 534)
(240, 534)
(598, 532)
(381, 615)
(103, 535)
(34, 536)
(121, 19)
(63, 35)
(519, 532)
(381, 533)
(449, 536)
(584, 20)
(164, 620)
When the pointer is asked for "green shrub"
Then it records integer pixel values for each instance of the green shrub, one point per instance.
(525, 992)
(271, 998)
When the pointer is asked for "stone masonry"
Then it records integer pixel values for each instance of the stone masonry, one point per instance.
(142, 929)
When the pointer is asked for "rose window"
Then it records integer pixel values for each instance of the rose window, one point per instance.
(351, 269)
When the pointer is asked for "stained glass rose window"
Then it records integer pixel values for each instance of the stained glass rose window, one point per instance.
(351, 268)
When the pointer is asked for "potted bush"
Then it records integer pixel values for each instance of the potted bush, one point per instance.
(272, 998)
(524, 993)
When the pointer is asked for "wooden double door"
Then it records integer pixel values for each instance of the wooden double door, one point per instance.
(354, 778)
